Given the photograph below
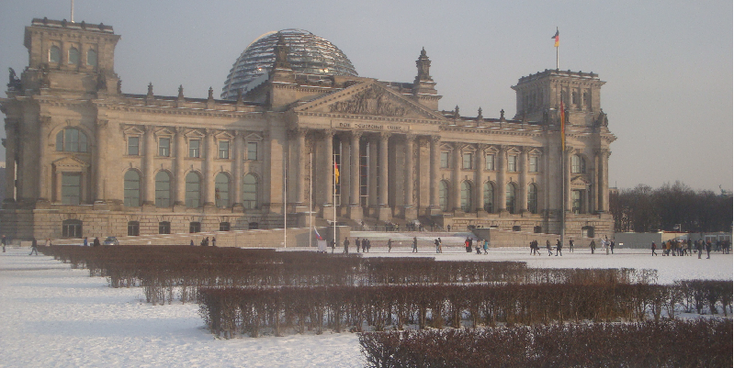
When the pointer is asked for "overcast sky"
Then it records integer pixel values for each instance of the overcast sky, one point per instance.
(667, 64)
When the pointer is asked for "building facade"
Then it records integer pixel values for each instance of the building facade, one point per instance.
(86, 159)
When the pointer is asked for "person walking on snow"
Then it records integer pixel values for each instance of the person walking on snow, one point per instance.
(415, 245)
(653, 246)
(548, 247)
(34, 247)
(559, 247)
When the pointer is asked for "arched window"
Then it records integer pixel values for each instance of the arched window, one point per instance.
(54, 55)
(532, 198)
(132, 189)
(91, 58)
(466, 196)
(193, 190)
(221, 190)
(443, 195)
(488, 197)
(73, 56)
(578, 165)
(162, 189)
(510, 194)
(249, 192)
(71, 140)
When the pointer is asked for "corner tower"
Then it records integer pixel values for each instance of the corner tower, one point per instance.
(539, 96)
(69, 57)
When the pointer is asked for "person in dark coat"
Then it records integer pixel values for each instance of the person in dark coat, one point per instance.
(653, 247)
(559, 247)
(389, 245)
(95, 242)
(592, 245)
(5, 242)
(548, 247)
(570, 245)
(415, 245)
(34, 247)
(346, 245)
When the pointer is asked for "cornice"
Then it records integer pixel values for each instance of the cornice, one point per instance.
(179, 111)
(391, 119)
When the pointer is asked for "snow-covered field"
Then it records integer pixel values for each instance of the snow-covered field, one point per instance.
(54, 316)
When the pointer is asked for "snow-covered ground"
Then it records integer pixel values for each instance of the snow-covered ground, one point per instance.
(54, 316)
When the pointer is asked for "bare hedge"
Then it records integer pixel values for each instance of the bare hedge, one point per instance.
(670, 343)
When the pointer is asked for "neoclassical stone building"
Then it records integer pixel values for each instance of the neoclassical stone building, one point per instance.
(86, 159)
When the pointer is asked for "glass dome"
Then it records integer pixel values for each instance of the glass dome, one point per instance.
(307, 53)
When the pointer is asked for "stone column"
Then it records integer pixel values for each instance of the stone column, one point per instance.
(148, 169)
(237, 170)
(328, 165)
(456, 178)
(299, 171)
(355, 210)
(43, 169)
(479, 180)
(373, 196)
(604, 181)
(207, 197)
(384, 212)
(410, 211)
(179, 194)
(501, 175)
(567, 181)
(435, 176)
(523, 190)
(100, 160)
(10, 155)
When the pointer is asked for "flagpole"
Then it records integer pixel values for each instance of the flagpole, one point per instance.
(285, 202)
(310, 197)
(333, 191)
(563, 174)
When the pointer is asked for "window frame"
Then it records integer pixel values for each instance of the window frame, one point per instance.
(444, 160)
(223, 154)
(252, 153)
(130, 145)
(195, 152)
(164, 150)
(467, 160)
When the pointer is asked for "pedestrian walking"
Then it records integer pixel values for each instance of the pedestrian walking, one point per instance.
(570, 245)
(34, 247)
(5, 242)
(708, 249)
(415, 245)
(559, 247)
(358, 244)
(486, 246)
(214, 241)
(699, 247)
(389, 245)
(611, 245)
(592, 245)
(86, 242)
(440, 245)
(548, 247)
(95, 242)
(435, 242)
(346, 245)
(653, 247)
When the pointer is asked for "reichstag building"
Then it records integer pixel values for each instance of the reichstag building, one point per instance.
(296, 132)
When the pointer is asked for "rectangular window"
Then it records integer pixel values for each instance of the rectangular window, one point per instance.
(224, 226)
(511, 163)
(164, 227)
(533, 164)
(490, 162)
(224, 149)
(467, 160)
(194, 148)
(133, 146)
(164, 147)
(133, 228)
(577, 201)
(252, 151)
(195, 227)
(71, 188)
(444, 160)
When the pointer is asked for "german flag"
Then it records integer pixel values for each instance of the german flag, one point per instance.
(556, 37)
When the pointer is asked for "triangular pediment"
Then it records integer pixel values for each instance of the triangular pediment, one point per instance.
(70, 163)
(579, 181)
(370, 98)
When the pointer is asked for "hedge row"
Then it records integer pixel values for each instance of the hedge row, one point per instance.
(676, 343)
(230, 312)
(171, 272)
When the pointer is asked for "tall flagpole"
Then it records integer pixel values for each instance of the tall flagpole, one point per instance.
(285, 202)
(310, 198)
(557, 38)
(563, 174)
(333, 191)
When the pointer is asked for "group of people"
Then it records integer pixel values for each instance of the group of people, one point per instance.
(205, 242)
(479, 247)
(675, 247)
(535, 247)
(364, 243)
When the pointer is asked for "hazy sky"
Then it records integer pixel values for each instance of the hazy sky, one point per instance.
(667, 64)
